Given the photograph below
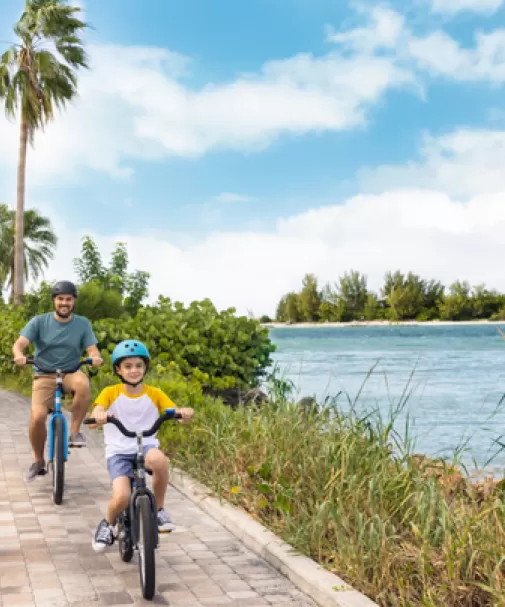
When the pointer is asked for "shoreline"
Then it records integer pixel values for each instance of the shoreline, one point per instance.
(380, 323)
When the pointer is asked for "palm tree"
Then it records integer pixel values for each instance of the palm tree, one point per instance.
(39, 244)
(37, 80)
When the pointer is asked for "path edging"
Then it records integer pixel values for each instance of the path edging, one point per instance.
(325, 588)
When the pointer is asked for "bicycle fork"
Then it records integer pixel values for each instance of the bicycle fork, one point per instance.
(139, 488)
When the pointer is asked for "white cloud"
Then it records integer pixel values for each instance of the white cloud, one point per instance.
(134, 104)
(451, 7)
(436, 53)
(383, 31)
(232, 197)
(412, 229)
(464, 163)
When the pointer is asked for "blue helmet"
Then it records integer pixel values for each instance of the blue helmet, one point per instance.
(128, 349)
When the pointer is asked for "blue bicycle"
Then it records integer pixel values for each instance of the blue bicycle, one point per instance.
(58, 430)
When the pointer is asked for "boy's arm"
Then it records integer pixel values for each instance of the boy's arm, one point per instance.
(102, 403)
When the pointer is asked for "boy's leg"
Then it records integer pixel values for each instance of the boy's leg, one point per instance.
(121, 491)
(120, 472)
(158, 464)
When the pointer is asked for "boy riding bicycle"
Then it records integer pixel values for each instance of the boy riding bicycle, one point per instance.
(137, 406)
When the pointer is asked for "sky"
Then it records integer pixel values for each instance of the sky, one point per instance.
(237, 146)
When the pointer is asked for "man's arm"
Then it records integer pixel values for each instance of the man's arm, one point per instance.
(89, 342)
(18, 350)
(94, 354)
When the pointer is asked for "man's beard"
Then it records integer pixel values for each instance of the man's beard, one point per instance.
(64, 314)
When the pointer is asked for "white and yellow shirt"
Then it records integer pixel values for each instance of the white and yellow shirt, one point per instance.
(136, 413)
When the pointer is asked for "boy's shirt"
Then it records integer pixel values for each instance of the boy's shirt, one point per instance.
(136, 413)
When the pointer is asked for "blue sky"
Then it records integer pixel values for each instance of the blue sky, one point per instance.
(235, 146)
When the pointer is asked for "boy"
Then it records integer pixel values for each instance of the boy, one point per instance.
(137, 406)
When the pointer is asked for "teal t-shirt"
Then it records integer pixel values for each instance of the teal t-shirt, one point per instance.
(59, 345)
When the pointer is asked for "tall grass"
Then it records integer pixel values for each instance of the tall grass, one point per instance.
(345, 488)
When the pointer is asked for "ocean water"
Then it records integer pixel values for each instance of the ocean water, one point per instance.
(456, 374)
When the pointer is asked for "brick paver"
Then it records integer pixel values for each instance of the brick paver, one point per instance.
(46, 557)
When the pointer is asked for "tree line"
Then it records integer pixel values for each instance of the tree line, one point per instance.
(402, 297)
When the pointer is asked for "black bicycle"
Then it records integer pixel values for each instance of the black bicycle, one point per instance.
(57, 448)
(138, 524)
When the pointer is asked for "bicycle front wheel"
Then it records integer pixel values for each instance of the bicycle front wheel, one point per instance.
(125, 538)
(145, 525)
(58, 461)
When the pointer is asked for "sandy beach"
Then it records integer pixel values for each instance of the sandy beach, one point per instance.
(381, 323)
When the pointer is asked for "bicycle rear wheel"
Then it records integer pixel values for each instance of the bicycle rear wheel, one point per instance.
(58, 465)
(145, 527)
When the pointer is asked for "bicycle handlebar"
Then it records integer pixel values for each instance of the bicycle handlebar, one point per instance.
(86, 361)
(169, 414)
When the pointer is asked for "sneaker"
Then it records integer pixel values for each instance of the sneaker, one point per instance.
(165, 524)
(36, 469)
(104, 536)
(77, 439)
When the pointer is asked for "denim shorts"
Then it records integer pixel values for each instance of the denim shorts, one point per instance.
(122, 464)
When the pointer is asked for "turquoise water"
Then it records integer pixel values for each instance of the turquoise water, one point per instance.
(457, 385)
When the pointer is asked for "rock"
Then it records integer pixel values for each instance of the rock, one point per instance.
(234, 397)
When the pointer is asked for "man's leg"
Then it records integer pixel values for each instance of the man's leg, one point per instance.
(42, 399)
(158, 463)
(78, 383)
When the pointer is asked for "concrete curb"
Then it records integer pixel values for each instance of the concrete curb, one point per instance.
(325, 588)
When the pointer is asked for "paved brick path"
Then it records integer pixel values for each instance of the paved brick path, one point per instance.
(45, 550)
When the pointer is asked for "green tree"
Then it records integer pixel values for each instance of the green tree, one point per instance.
(457, 305)
(96, 303)
(132, 288)
(89, 265)
(310, 299)
(293, 308)
(372, 308)
(36, 81)
(280, 313)
(39, 245)
(484, 302)
(353, 293)
(404, 294)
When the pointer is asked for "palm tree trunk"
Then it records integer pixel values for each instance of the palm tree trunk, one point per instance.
(18, 283)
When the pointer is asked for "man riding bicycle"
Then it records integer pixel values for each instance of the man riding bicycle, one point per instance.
(59, 338)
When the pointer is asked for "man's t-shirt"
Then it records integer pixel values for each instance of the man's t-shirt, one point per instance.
(136, 413)
(59, 345)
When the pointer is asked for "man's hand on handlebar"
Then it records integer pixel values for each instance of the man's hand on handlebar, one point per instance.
(20, 360)
(96, 361)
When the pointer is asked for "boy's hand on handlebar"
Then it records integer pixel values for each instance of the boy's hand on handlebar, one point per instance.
(101, 417)
(20, 360)
(187, 414)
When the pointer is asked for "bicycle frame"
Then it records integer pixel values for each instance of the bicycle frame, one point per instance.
(55, 414)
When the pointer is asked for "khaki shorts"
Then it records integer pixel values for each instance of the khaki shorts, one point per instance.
(44, 388)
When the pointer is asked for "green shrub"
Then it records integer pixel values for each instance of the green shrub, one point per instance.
(217, 350)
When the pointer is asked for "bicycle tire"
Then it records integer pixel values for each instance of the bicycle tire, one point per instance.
(125, 539)
(58, 461)
(145, 522)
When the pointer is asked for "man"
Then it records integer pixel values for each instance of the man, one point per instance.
(59, 338)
